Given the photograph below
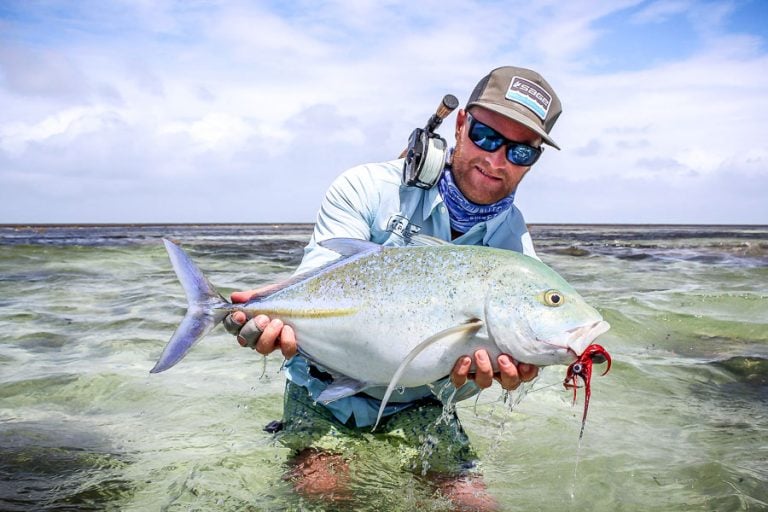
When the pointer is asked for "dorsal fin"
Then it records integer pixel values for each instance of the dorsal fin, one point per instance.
(419, 240)
(350, 246)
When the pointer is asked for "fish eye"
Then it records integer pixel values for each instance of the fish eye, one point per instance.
(553, 298)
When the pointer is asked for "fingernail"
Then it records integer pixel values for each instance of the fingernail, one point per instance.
(504, 360)
(241, 341)
(262, 321)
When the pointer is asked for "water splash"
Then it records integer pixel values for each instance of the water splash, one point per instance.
(427, 448)
(263, 367)
(449, 405)
(509, 402)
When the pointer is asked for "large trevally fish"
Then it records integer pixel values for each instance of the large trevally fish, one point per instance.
(402, 316)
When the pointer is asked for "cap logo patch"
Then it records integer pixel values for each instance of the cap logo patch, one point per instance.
(529, 94)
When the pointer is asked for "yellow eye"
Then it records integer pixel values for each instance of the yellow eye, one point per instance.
(553, 298)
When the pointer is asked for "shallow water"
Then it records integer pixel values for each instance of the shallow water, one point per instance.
(680, 422)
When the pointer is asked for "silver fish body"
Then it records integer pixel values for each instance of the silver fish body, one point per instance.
(379, 314)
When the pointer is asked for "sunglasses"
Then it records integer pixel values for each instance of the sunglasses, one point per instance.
(488, 139)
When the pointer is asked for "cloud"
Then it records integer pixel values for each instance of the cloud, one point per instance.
(661, 11)
(730, 197)
(55, 74)
(235, 111)
(660, 164)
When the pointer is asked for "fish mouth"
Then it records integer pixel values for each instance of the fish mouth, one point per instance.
(571, 343)
(588, 332)
(581, 337)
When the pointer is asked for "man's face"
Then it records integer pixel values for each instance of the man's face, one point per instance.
(484, 177)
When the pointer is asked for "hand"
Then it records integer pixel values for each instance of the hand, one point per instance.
(262, 334)
(511, 373)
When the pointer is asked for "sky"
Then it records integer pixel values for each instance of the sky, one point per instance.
(154, 111)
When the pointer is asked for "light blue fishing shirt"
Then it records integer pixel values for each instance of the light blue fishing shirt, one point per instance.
(370, 202)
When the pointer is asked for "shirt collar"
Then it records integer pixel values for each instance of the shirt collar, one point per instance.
(432, 199)
(494, 224)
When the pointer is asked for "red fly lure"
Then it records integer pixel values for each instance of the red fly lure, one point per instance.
(582, 368)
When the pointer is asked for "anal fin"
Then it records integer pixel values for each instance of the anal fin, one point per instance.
(341, 387)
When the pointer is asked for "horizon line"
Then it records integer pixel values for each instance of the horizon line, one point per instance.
(139, 224)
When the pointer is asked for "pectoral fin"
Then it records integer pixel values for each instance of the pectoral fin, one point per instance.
(451, 335)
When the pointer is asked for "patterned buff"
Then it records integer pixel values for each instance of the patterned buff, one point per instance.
(464, 213)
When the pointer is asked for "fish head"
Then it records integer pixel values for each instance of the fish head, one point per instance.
(535, 316)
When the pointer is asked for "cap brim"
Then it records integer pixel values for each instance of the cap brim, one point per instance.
(518, 117)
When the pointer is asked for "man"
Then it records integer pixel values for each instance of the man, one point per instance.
(499, 136)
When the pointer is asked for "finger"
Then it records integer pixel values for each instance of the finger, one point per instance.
(251, 332)
(508, 373)
(234, 322)
(246, 295)
(269, 339)
(527, 372)
(242, 296)
(288, 345)
(460, 371)
(483, 369)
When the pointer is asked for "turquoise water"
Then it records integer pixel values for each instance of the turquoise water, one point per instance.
(680, 422)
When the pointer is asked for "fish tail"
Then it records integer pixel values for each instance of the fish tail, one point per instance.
(206, 309)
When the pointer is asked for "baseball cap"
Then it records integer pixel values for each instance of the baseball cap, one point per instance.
(521, 95)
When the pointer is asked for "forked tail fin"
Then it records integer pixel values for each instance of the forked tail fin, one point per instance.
(206, 308)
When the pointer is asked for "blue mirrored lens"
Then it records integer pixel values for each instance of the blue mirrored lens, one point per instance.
(521, 154)
(485, 137)
(488, 139)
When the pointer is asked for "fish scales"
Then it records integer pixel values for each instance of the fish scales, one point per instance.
(383, 304)
(381, 316)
